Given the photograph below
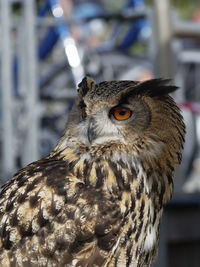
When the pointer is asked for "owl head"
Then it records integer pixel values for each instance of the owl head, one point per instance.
(124, 116)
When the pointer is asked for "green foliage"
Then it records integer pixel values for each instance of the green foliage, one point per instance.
(185, 8)
(113, 5)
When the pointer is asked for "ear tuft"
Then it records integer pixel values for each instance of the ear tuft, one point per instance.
(155, 87)
(85, 85)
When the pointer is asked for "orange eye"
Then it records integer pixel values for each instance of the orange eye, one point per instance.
(83, 112)
(121, 113)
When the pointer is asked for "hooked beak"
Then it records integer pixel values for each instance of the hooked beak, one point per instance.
(90, 132)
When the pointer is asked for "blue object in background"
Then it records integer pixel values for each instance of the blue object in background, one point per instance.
(47, 43)
(137, 29)
(86, 10)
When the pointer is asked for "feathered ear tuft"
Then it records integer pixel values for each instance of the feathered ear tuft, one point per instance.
(85, 85)
(155, 87)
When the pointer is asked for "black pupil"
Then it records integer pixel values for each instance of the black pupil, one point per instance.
(122, 112)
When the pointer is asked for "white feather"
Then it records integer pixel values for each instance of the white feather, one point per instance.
(150, 239)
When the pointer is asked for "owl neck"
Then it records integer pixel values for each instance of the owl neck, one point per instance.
(154, 166)
(157, 161)
(149, 152)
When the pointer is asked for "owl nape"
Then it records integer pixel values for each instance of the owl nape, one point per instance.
(98, 197)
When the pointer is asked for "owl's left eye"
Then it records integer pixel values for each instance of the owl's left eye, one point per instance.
(121, 113)
(83, 113)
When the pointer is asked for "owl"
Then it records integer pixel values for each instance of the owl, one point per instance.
(98, 198)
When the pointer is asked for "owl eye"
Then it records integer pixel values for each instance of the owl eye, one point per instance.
(121, 113)
(83, 113)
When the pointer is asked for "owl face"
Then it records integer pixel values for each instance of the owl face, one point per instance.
(100, 119)
(124, 117)
(122, 122)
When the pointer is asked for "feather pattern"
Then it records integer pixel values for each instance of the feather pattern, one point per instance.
(97, 204)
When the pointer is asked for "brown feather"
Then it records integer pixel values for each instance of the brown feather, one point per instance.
(97, 204)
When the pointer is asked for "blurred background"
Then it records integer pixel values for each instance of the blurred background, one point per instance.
(48, 46)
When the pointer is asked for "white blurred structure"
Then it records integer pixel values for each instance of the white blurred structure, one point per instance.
(28, 85)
